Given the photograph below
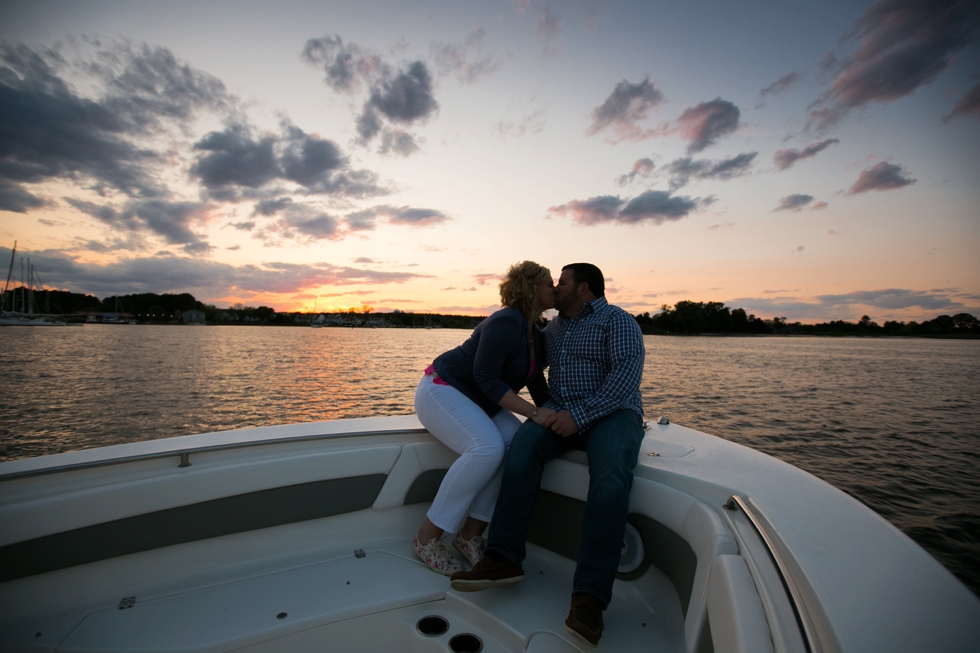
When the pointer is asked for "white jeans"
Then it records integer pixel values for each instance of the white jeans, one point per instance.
(472, 483)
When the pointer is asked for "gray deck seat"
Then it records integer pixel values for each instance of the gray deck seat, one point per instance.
(691, 519)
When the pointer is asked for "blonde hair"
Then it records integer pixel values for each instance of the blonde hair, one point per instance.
(519, 289)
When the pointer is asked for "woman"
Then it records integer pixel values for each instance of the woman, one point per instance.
(467, 400)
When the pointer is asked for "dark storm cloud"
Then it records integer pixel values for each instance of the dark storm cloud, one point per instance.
(794, 202)
(968, 104)
(682, 170)
(466, 60)
(786, 158)
(627, 105)
(642, 167)
(782, 84)
(882, 176)
(167, 219)
(654, 206)
(902, 45)
(234, 159)
(706, 122)
(205, 279)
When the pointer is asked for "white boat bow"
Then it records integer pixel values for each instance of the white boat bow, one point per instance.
(297, 538)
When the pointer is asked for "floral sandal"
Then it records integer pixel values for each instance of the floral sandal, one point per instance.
(437, 556)
(472, 550)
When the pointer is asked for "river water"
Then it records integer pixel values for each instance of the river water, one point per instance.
(893, 422)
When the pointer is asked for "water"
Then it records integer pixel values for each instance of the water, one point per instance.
(893, 422)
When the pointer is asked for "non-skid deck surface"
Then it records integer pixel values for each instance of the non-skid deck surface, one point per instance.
(374, 603)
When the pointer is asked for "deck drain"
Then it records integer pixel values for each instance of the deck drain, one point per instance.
(432, 626)
(465, 643)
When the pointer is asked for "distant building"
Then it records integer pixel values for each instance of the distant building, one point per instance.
(193, 317)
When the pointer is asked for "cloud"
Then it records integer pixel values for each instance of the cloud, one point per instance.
(968, 104)
(47, 131)
(484, 277)
(642, 167)
(897, 301)
(15, 198)
(271, 206)
(208, 280)
(784, 159)
(794, 202)
(466, 60)
(651, 206)
(627, 105)
(345, 66)
(405, 98)
(395, 141)
(781, 85)
(706, 122)
(530, 123)
(682, 170)
(548, 24)
(235, 160)
(170, 220)
(395, 215)
(902, 45)
(819, 206)
(882, 176)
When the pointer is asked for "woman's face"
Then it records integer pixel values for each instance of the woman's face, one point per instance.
(546, 295)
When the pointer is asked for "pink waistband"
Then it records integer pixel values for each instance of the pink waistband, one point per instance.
(435, 377)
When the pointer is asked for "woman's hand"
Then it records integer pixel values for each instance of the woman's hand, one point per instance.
(542, 417)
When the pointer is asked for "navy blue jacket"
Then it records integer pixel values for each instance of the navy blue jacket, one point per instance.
(494, 360)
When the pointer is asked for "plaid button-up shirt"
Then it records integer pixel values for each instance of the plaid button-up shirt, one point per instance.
(596, 362)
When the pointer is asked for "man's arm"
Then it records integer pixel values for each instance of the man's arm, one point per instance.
(624, 346)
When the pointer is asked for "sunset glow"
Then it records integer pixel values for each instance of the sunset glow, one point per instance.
(792, 160)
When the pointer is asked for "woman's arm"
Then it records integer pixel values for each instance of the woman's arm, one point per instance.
(515, 404)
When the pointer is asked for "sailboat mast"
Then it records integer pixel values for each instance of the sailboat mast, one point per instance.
(9, 272)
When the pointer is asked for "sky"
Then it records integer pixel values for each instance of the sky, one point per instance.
(813, 160)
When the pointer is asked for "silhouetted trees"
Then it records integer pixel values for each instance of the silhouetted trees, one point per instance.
(688, 317)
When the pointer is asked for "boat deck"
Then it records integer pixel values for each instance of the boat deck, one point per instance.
(228, 594)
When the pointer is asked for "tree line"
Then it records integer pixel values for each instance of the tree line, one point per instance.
(687, 317)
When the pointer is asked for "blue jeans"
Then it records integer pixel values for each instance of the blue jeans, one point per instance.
(612, 444)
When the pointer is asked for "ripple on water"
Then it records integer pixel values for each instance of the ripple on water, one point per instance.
(892, 422)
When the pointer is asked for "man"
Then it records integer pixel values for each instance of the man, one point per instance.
(595, 352)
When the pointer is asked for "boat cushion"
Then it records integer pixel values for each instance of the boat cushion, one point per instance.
(735, 615)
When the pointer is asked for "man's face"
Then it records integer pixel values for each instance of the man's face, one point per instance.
(566, 292)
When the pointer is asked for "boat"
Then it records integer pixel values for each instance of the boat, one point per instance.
(297, 538)
(27, 315)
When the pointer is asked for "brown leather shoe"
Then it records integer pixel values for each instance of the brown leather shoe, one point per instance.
(486, 574)
(585, 618)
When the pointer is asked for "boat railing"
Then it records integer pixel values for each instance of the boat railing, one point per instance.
(803, 619)
(184, 453)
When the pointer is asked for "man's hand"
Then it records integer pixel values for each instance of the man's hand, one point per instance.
(544, 416)
(562, 424)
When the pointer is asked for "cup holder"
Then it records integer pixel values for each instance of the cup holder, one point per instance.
(432, 626)
(465, 643)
